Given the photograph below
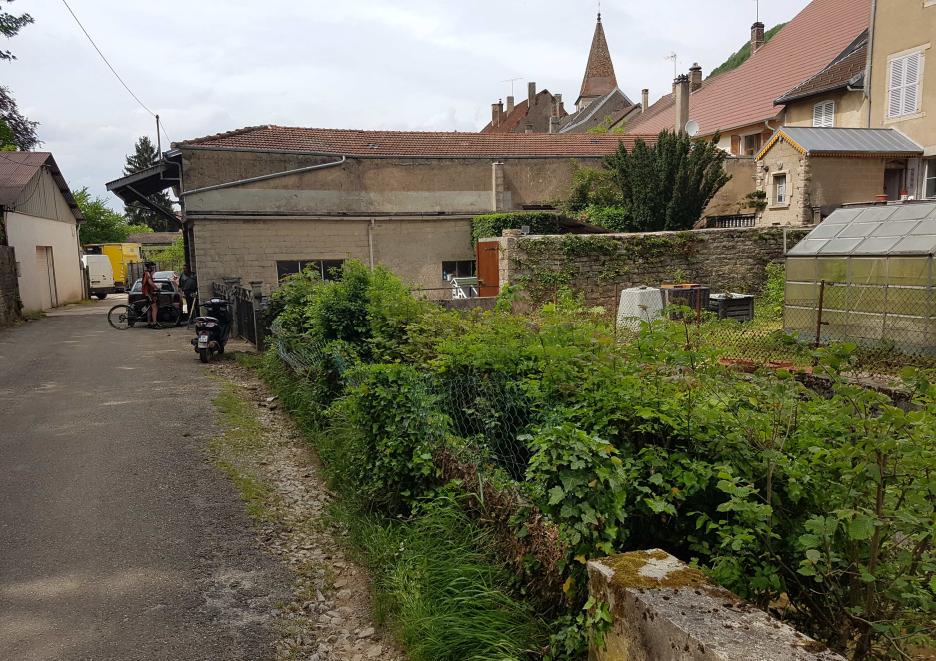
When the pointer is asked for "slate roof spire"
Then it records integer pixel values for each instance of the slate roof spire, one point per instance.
(599, 77)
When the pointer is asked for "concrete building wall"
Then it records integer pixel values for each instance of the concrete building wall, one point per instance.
(412, 248)
(838, 181)
(730, 199)
(26, 233)
(365, 186)
(851, 110)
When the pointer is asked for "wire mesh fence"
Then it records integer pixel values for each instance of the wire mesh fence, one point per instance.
(890, 326)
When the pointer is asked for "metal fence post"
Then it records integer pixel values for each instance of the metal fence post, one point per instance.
(256, 290)
(819, 314)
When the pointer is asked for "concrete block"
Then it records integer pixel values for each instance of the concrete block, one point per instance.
(664, 610)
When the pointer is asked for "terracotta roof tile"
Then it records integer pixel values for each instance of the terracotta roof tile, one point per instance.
(842, 71)
(745, 95)
(511, 121)
(599, 77)
(375, 144)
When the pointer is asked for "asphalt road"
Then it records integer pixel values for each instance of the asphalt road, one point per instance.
(118, 539)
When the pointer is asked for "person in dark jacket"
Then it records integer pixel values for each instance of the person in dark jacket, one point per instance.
(189, 286)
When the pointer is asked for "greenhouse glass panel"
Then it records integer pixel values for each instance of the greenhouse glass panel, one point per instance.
(832, 269)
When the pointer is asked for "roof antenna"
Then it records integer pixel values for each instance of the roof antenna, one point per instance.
(757, 11)
(599, 11)
(512, 81)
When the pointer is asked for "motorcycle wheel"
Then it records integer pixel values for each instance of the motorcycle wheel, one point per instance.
(204, 354)
(120, 317)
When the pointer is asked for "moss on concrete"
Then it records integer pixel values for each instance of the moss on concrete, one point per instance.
(628, 573)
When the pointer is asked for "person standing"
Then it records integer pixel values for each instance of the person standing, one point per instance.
(151, 292)
(189, 286)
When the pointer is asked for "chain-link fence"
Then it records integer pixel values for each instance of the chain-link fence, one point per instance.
(891, 326)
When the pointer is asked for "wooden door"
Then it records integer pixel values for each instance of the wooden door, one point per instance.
(45, 277)
(488, 268)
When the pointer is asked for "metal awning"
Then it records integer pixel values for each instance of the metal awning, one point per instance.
(134, 188)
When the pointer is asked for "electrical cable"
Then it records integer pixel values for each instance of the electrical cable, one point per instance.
(110, 66)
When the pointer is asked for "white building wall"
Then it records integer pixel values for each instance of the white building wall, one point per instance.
(25, 233)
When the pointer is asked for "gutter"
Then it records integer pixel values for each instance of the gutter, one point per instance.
(868, 67)
(263, 177)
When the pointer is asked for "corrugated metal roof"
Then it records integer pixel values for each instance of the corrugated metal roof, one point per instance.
(841, 140)
(18, 168)
(894, 229)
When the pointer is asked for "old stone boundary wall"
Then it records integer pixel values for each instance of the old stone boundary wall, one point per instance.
(9, 290)
(600, 265)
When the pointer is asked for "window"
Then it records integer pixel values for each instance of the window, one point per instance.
(780, 190)
(328, 269)
(929, 182)
(458, 269)
(750, 144)
(823, 115)
(903, 84)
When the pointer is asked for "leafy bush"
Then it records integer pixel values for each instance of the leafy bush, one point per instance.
(492, 224)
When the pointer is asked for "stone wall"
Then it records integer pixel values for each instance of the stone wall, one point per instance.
(600, 265)
(9, 292)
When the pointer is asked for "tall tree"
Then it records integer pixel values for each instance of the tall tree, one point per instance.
(102, 224)
(17, 132)
(10, 25)
(146, 155)
(664, 186)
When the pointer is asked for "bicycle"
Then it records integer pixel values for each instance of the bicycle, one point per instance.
(124, 316)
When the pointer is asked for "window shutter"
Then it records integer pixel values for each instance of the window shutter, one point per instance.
(824, 114)
(911, 83)
(736, 145)
(895, 87)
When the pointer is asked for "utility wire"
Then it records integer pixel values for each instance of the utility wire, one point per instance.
(109, 66)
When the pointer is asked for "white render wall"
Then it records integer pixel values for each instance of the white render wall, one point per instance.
(24, 233)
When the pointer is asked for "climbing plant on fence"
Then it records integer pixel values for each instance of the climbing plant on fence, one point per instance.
(826, 499)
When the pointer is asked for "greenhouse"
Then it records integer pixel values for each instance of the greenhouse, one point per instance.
(866, 275)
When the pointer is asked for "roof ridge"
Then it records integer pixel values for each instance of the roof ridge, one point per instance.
(228, 134)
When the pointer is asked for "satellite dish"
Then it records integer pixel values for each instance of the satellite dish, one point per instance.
(692, 128)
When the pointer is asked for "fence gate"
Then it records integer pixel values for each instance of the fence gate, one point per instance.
(246, 311)
(488, 268)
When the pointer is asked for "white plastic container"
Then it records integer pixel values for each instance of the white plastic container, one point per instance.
(639, 304)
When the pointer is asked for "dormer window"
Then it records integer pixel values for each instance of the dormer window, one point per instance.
(823, 115)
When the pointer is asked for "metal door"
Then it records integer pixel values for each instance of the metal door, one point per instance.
(488, 268)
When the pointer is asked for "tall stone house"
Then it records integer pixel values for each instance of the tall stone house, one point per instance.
(260, 203)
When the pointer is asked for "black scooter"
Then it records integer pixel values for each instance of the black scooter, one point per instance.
(213, 329)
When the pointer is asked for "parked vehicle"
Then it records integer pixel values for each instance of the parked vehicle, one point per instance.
(169, 295)
(119, 254)
(100, 275)
(213, 329)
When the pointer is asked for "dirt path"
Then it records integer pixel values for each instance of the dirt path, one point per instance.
(330, 616)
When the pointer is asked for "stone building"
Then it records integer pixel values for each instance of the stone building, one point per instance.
(807, 172)
(262, 202)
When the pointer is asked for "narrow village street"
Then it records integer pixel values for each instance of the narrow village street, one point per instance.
(118, 539)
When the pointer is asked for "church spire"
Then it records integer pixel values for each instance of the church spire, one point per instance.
(599, 72)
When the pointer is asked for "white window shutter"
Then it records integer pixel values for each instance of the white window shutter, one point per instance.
(824, 114)
(895, 87)
(817, 113)
(911, 83)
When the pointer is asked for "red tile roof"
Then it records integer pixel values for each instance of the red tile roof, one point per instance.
(745, 95)
(511, 121)
(599, 77)
(414, 143)
(840, 73)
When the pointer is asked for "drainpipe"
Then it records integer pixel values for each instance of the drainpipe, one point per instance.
(264, 177)
(370, 243)
(868, 68)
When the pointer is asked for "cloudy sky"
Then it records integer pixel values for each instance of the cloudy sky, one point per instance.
(214, 65)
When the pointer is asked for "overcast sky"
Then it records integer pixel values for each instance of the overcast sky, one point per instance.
(214, 65)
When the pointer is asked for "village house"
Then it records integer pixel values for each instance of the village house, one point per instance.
(536, 114)
(40, 220)
(263, 202)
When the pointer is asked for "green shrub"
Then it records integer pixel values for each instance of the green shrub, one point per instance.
(491, 225)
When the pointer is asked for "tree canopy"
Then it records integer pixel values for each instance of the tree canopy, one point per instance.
(146, 155)
(16, 132)
(103, 224)
(664, 186)
(10, 25)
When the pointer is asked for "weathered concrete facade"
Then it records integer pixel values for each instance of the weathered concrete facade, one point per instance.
(600, 266)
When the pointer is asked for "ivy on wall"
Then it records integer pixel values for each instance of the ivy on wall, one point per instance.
(492, 224)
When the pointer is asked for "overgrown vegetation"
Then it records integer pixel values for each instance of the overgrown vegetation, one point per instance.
(664, 186)
(782, 494)
(492, 224)
(102, 224)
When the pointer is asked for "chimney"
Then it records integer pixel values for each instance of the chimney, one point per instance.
(531, 96)
(554, 124)
(757, 37)
(510, 104)
(681, 96)
(497, 113)
(695, 77)
(644, 99)
(559, 108)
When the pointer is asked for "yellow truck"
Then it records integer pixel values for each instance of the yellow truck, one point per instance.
(119, 254)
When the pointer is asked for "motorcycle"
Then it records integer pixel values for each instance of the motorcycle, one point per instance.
(213, 329)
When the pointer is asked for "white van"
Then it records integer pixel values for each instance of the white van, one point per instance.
(100, 275)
